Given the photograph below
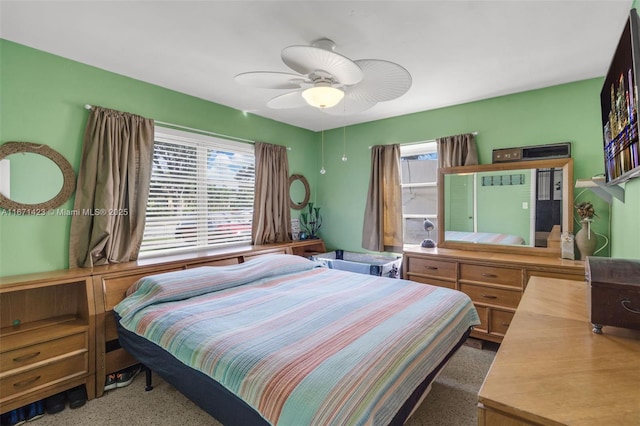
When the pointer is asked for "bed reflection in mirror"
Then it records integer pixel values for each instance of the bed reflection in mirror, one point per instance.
(506, 206)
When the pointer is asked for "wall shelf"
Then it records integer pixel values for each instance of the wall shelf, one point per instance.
(599, 187)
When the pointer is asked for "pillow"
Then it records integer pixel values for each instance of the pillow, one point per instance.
(184, 284)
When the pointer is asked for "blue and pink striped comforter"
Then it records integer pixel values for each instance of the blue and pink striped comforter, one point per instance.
(302, 344)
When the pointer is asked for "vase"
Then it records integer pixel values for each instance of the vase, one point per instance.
(586, 240)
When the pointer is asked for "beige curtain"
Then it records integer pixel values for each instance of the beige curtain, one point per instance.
(382, 229)
(271, 213)
(112, 190)
(459, 150)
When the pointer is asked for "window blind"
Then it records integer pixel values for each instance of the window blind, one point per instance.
(201, 193)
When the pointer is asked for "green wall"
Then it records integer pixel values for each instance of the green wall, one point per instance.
(564, 113)
(42, 99)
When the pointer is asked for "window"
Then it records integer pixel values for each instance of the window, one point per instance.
(419, 163)
(201, 193)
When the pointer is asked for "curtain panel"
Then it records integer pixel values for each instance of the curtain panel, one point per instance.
(271, 213)
(459, 150)
(382, 228)
(112, 190)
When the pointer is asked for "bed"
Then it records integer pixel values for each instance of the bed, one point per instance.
(282, 340)
(483, 237)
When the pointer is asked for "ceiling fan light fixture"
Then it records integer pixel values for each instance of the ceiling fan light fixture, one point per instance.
(323, 95)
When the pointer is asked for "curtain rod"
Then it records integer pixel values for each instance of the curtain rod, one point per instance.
(177, 126)
(430, 140)
(427, 141)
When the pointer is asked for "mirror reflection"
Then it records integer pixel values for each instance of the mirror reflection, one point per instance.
(30, 178)
(512, 205)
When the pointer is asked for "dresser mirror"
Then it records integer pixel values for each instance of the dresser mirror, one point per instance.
(507, 207)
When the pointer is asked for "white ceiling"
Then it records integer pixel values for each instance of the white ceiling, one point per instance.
(456, 51)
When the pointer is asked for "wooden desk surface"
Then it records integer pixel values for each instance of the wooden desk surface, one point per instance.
(551, 369)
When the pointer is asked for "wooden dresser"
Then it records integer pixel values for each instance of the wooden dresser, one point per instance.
(47, 342)
(494, 281)
(551, 369)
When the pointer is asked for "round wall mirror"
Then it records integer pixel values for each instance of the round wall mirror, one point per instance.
(35, 178)
(299, 192)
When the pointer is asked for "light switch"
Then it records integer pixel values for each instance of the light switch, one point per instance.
(525, 205)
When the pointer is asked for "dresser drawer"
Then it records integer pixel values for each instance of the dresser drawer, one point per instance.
(491, 274)
(432, 267)
(35, 353)
(66, 368)
(433, 281)
(500, 321)
(492, 296)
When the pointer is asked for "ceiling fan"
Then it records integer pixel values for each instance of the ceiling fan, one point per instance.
(329, 80)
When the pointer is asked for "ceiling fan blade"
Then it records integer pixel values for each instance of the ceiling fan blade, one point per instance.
(348, 105)
(383, 81)
(307, 59)
(288, 100)
(270, 80)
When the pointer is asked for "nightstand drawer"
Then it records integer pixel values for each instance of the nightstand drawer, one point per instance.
(35, 353)
(434, 268)
(492, 275)
(492, 296)
(73, 366)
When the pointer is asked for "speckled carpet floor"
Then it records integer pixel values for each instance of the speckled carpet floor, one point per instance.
(451, 402)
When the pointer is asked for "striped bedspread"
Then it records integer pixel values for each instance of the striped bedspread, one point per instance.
(302, 344)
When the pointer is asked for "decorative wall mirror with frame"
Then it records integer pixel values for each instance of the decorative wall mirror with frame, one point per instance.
(299, 192)
(517, 207)
(63, 186)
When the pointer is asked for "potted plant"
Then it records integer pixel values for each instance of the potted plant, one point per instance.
(310, 223)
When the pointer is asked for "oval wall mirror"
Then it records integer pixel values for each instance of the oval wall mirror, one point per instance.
(299, 192)
(39, 178)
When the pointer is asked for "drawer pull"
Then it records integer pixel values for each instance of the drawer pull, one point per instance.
(489, 296)
(489, 275)
(506, 324)
(26, 357)
(431, 267)
(626, 302)
(26, 382)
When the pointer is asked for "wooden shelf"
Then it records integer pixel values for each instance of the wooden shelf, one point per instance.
(307, 248)
(598, 186)
(47, 342)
